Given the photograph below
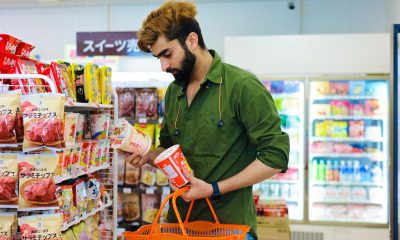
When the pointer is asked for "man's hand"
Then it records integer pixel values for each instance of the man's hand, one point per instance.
(198, 188)
(135, 159)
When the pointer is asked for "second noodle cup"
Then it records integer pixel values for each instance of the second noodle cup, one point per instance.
(173, 163)
(131, 140)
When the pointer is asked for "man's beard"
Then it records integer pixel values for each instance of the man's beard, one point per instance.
(182, 76)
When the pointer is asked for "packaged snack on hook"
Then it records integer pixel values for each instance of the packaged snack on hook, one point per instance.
(46, 226)
(8, 179)
(105, 85)
(8, 226)
(91, 84)
(8, 43)
(24, 49)
(8, 117)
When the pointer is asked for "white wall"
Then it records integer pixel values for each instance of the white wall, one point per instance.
(53, 27)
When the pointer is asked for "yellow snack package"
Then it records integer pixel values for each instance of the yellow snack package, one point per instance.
(47, 226)
(91, 85)
(68, 235)
(43, 116)
(80, 231)
(8, 226)
(37, 189)
(8, 179)
(105, 84)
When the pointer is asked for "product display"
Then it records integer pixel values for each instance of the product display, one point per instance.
(46, 226)
(348, 151)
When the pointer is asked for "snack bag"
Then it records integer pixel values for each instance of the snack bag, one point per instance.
(376, 88)
(8, 179)
(356, 128)
(65, 196)
(29, 85)
(80, 194)
(92, 225)
(340, 107)
(105, 149)
(148, 175)
(320, 88)
(356, 88)
(339, 129)
(132, 174)
(93, 189)
(161, 178)
(8, 111)
(24, 49)
(37, 189)
(68, 235)
(58, 75)
(8, 43)
(8, 228)
(85, 156)
(339, 87)
(44, 69)
(77, 75)
(68, 83)
(150, 205)
(91, 85)
(99, 125)
(43, 116)
(81, 232)
(357, 108)
(146, 104)
(126, 102)
(131, 206)
(80, 127)
(105, 85)
(373, 107)
(46, 226)
(147, 129)
(71, 122)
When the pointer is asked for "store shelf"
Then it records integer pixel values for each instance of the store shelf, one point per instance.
(347, 117)
(87, 106)
(350, 201)
(91, 170)
(369, 184)
(285, 95)
(350, 220)
(347, 139)
(343, 97)
(66, 226)
(290, 113)
(348, 155)
(281, 181)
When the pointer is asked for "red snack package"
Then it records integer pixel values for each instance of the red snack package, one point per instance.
(24, 49)
(8, 112)
(146, 103)
(43, 121)
(8, 179)
(44, 69)
(58, 77)
(7, 62)
(46, 226)
(29, 85)
(8, 43)
(126, 102)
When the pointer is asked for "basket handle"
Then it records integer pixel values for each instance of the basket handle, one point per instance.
(174, 196)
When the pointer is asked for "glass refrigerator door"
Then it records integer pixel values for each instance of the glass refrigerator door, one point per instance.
(396, 153)
(348, 151)
(289, 99)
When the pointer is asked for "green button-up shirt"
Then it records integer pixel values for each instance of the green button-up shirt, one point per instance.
(251, 131)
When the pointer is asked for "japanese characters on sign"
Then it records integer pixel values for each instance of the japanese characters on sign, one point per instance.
(108, 44)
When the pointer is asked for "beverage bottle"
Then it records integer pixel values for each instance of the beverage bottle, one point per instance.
(365, 173)
(356, 172)
(377, 173)
(314, 170)
(321, 171)
(328, 171)
(335, 171)
(342, 171)
(350, 171)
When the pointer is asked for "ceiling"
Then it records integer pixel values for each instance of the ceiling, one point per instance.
(50, 3)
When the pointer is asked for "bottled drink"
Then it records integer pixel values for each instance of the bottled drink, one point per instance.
(314, 170)
(328, 171)
(365, 173)
(350, 171)
(342, 171)
(376, 173)
(356, 172)
(335, 171)
(321, 171)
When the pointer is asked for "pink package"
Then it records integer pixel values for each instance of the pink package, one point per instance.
(357, 109)
(340, 107)
(356, 128)
(322, 147)
(342, 148)
(339, 88)
(372, 107)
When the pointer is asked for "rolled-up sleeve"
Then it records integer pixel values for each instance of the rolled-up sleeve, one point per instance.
(258, 114)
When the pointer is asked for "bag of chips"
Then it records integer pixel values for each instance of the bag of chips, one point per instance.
(46, 226)
(8, 226)
(126, 103)
(43, 116)
(91, 84)
(69, 235)
(8, 179)
(65, 196)
(58, 77)
(93, 193)
(29, 85)
(71, 121)
(105, 85)
(24, 49)
(77, 74)
(80, 194)
(150, 205)
(37, 189)
(81, 232)
(146, 104)
(131, 207)
(8, 43)
(8, 111)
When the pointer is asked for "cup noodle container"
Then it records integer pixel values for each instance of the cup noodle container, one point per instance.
(132, 140)
(173, 163)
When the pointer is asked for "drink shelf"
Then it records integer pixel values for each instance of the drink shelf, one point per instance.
(349, 155)
(366, 184)
(347, 117)
(347, 139)
(344, 97)
(350, 201)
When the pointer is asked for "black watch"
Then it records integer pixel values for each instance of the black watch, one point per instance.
(216, 193)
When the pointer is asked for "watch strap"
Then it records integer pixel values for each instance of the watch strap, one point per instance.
(216, 193)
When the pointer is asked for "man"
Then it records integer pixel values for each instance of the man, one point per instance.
(222, 117)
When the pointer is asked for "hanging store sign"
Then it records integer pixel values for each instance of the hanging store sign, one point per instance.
(108, 44)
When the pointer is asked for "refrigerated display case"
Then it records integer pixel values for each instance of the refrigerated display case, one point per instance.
(348, 150)
(288, 96)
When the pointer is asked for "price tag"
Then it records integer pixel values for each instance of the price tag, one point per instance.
(127, 190)
(150, 190)
(142, 120)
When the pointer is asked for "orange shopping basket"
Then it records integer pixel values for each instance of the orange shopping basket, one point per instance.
(198, 230)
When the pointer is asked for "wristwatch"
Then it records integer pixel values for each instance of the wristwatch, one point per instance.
(216, 193)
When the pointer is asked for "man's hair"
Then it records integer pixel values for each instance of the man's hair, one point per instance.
(174, 19)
